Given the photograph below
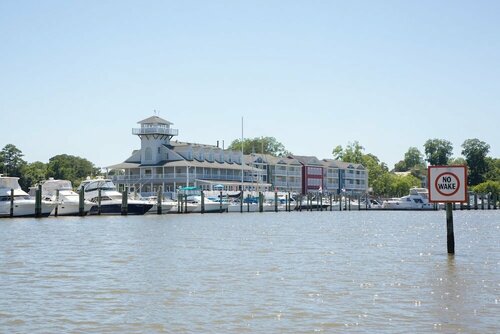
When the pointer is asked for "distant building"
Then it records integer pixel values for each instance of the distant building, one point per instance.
(162, 163)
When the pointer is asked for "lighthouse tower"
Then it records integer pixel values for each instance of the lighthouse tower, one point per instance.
(154, 133)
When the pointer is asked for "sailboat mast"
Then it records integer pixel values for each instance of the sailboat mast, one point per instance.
(242, 156)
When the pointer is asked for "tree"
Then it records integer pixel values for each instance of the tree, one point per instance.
(413, 158)
(352, 153)
(493, 173)
(438, 151)
(264, 145)
(33, 173)
(11, 161)
(400, 185)
(68, 167)
(492, 187)
(475, 152)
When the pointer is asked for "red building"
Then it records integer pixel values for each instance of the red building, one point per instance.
(312, 173)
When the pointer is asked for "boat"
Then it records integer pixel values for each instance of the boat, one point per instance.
(111, 199)
(23, 204)
(167, 205)
(418, 199)
(211, 204)
(67, 201)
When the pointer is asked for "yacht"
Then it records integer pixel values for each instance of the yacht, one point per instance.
(111, 199)
(24, 205)
(68, 201)
(418, 199)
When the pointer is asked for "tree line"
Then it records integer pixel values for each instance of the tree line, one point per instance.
(62, 166)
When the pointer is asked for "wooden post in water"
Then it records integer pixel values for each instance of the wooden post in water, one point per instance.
(99, 201)
(289, 202)
(275, 201)
(185, 203)
(321, 203)
(241, 201)
(56, 210)
(248, 203)
(349, 203)
(125, 202)
(81, 202)
(202, 201)
(449, 229)
(489, 198)
(220, 202)
(11, 203)
(159, 209)
(340, 202)
(359, 202)
(482, 201)
(495, 199)
(38, 201)
(261, 202)
(475, 201)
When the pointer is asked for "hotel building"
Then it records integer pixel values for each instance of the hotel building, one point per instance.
(167, 164)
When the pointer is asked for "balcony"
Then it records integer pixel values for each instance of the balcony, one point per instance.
(155, 130)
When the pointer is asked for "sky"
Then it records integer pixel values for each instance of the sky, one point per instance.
(77, 76)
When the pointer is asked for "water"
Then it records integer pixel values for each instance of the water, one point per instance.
(332, 272)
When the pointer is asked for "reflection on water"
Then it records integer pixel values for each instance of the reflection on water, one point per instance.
(231, 273)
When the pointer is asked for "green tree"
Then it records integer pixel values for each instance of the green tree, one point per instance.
(413, 158)
(493, 172)
(72, 168)
(475, 152)
(352, 153)
(438, 151)
(33, 173)
(400, 185)
(11, 161)
(490, 186)
(264, 145)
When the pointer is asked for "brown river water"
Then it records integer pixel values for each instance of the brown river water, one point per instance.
(298, 272)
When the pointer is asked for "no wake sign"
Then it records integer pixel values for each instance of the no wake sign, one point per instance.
(447, 183)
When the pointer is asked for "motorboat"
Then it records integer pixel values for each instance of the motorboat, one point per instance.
(167, 205)
(192, 195)
(23, 204)
(61, 192)
(418, 199)
(111, 199)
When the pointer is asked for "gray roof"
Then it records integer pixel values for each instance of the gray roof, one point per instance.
(155, 120)
(341, 164)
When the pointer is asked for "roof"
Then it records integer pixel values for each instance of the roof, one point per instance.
(341, 164)
(155, 120)
(307, 160)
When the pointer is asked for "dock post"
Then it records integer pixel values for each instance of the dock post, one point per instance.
(340, 202)
(475, 201)
(359, 202)
(56, 210)
(99, 201)
(38, 201)
(449, 229)
(220, 202)
(495, 199)
(159, 209)
(261, 202)
(241, 201)
(124, 202)
(185, 203)
(11, 203)
(489, 200)
(275, 201)
(482, 201)
(350, 203)
(248, 203)
(202, 201)
(331, 203)
(81, 202)
(320, 203)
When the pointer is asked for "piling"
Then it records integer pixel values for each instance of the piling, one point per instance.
(495, 200)
(241, 201)
(359, 203)
(125, 202)
(340, 202)
(248, 203)
(349, 203)
(275, 201)
(159, 209)
(489, 198)
(220, 202)
(475, 201)
(449, 229)
(99, 201)
(11, 203)
(202, 201)
(261, 202)
(56, 210)
(38, 201)
(185, 203)
(321, 203)
(81, 202)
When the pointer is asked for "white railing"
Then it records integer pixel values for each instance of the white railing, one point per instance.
(155, 130)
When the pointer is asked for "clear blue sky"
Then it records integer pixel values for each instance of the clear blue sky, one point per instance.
(76, 76)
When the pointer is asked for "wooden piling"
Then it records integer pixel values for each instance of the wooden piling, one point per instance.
(242, 197)
(38, 201)
(11, 214)
(261, 202)
(202, 201)
(124, 202)
(275, 201)
(159, 209)
(220, 202)
(99, 201)
(449, 229)
(56, 210)
(81, 202)
(475, 201)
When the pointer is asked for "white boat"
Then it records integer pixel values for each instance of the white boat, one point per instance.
(167, 205)
(24, 205)
(111, 199)
(193, 195)
(68, 201)
(418, 199)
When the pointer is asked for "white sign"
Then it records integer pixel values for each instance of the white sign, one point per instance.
(447, 183)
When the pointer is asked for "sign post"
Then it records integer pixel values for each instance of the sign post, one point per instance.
(448, 184)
